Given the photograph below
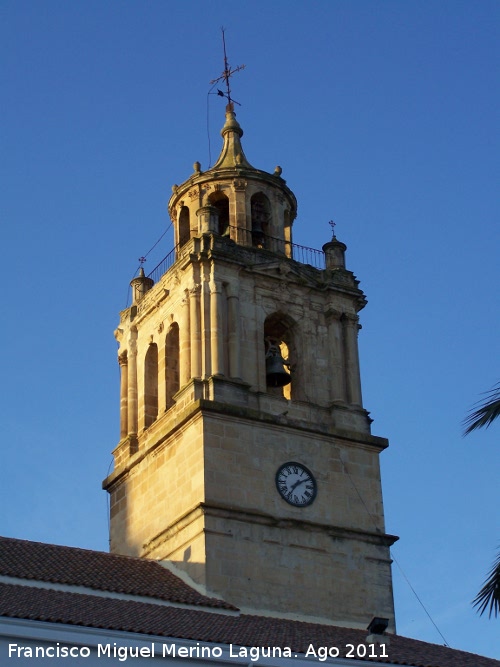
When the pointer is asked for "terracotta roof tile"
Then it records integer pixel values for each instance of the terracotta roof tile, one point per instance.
(98, 570)
(133, 576)
(116, 614)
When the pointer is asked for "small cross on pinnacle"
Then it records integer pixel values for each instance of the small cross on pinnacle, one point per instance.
(142, 260)
(333, 225)
(226, 74)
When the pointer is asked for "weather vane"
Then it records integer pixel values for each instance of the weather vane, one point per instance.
(226, 74)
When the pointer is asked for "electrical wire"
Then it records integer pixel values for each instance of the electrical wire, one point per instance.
(420, 601)
(391, 553)
(208, 126)
(143, 258)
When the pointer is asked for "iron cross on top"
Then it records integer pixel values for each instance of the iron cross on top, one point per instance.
(226, 74)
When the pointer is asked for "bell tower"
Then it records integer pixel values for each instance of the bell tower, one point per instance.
(245, 454)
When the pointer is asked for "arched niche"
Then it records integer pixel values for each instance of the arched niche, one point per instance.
(151, 385)
(184, 226)
(172, 381)
(279, 336)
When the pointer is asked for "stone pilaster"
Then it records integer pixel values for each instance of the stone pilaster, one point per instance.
(234, 328)
(195, 321)
(132, 383)
(184, 343)
(206, 355)
(241, 234)
(353, 380)
(337, 373)
(216, 332)
(123, 362)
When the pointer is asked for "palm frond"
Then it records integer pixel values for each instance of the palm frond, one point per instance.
(489, 595)
(486, 411)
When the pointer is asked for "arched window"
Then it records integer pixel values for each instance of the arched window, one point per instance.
(280, 354)
(261, 214)
(172, 363)
(221, 203)
(151, 385)
(184, 228)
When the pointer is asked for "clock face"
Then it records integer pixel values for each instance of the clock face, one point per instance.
(296, 484)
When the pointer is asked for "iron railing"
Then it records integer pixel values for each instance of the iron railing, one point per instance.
(299, 253)
(305, 255)
(164, 265)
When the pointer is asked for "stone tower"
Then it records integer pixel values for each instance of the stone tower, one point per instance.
(246, 457)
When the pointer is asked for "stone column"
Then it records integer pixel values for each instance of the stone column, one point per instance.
(216, 331)
(122, 360)
(132, 384)
(353, 378)
(336, 359)
(208, 219)
(233, 316)
(195, 321)
(184, 343)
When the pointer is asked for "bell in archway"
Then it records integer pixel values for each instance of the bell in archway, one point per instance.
(276, 375)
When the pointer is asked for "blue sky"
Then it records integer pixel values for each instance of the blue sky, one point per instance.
(383, 117)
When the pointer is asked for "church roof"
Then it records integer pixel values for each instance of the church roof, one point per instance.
(192, 616)
(22, 559)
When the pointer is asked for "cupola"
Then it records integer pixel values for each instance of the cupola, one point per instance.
(234, 199)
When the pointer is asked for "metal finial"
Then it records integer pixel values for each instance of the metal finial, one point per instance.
(333, 225)
(142, 260)
(226, 74)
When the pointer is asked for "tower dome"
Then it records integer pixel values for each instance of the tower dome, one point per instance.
(234, 199)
